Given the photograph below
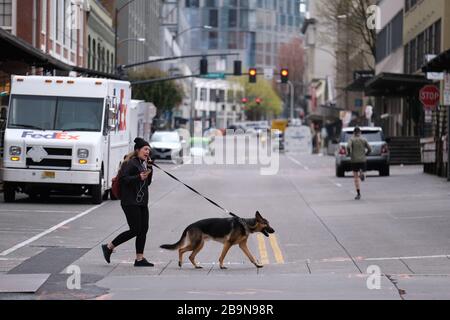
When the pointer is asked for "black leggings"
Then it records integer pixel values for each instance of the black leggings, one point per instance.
(137, 218)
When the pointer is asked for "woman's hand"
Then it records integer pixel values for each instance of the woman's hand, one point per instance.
(144, 175)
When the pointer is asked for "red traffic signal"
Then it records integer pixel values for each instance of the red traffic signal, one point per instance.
(284, 75)
(252, 73)
(244, 100)
(258, 101)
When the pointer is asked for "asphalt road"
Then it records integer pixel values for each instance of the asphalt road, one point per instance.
(325, 241)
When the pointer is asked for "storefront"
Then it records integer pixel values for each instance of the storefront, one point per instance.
(441, 123)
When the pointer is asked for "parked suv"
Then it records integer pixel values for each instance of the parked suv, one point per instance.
(377, 160)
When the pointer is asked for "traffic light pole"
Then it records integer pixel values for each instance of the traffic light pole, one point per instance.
(292, 89)
(178, 57)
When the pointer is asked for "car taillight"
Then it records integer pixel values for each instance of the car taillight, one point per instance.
(343, 151)
(385, 149)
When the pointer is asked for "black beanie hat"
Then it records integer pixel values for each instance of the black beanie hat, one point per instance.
(140, 143)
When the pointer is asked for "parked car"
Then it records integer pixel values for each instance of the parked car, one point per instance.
(167, 145)
(377, 160)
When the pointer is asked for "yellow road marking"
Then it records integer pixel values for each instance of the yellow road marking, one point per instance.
(276, 249)
(262, 249)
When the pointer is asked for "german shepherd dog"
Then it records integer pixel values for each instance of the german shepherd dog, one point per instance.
(229, 231)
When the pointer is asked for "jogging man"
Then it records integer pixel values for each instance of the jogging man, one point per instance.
(358, 148)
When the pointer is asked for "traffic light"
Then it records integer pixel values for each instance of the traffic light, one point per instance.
(237, 68)
(252, 73)
(203, 66)
(258, 101)
(284, 75)
(244, 103)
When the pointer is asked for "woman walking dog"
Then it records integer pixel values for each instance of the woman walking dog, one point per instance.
(134, 178)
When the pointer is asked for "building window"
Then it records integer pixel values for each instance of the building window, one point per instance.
(57, 20)
(232, 40)
(99, 57)
(203, 94)
(428, 42)
(232, 18)
(43, 16)
(390, 38)
(213, 40)
(89, 52)
(409, 4)
(211, 4)
(214, 18)
(6, 14)
(192, 3)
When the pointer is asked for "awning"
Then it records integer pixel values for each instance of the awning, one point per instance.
(17, 50)
(358, 85)
(439, 64)
(395, 85)
(17, 54)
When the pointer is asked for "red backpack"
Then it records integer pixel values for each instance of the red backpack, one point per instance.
(115, 187)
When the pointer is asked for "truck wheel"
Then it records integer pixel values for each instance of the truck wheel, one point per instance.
(385, 171)
(97, 191)
(340, 173)
(97, 196)
(9, 193)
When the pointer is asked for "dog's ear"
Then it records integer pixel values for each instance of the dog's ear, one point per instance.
(258, 216)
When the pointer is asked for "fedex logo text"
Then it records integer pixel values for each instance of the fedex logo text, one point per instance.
(51, 136)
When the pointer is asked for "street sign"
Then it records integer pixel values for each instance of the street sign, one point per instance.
(428, 116)
(429, 96)
(214, 75)
(268, 74)
(447, 90)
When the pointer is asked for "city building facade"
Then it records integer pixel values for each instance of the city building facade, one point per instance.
(139, 34)
(252, 29)
(101, 51)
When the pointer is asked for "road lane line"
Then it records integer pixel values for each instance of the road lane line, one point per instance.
(276, 249)
(50, 230)
(39, 211)
(298, 162)
(262, 249)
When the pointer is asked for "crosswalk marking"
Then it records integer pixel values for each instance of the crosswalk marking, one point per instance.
(276, 249)
(262, 249)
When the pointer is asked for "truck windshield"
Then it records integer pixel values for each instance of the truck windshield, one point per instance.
(56, 113)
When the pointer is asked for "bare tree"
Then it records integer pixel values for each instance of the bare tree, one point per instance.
(351, 17)
(291, 55)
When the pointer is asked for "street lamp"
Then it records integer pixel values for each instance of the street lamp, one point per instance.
(117, 11)
(205, 27)
(131, 39)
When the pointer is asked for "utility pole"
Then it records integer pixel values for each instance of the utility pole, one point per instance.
(192, 110)
(292, 89)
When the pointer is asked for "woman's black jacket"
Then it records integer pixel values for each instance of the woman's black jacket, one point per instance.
(134, 191)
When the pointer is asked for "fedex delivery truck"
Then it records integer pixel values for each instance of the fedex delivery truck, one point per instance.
(66, 136)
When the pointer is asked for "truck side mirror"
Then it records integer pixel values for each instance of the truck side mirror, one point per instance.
(112, 118)
(3, 114)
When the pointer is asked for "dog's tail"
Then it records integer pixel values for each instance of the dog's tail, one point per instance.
(177, 245)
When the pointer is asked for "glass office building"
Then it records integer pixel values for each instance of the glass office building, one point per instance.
(253, 28)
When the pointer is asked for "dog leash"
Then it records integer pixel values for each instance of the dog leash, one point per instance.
(200, 194)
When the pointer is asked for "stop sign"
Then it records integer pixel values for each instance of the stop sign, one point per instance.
(429, 96)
